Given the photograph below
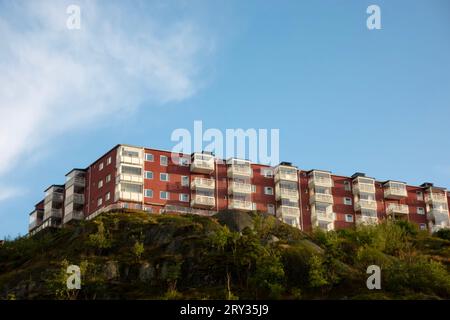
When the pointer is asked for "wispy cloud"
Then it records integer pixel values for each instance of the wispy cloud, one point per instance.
(53, 79)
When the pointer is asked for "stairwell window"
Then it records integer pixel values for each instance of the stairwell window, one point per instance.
(419, 195)
(348, 218)
(108, 161)
(149, 157)
(99, 202)
(108, 178)
(163, 195)
(163, 160)
(420, 210)
(100, 166)
(270, 208)
(268, 190)
(348, 201)
(100, 184)
(347, 186)
(185, 181)
(184, 197)
(267, 173)
(164, 176)
(108, 196)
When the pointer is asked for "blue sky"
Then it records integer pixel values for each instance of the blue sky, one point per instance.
(345, 98)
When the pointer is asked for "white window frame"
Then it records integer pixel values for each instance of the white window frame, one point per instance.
(266, 191)
(149, 157)
(182, 195)
(347, 186)
(99, 201)
(419, 195)
(162, 174)
(145, 175)
(267, 173)
(108, 196)
(348, 217)
(164, 192)
(108, 178)
(146, 195)
(163, 163)
(253, 188)
(100, 166)
(421, 210)
(348, 201)
(271, 208)
(185, 181)
(108, 161)
(100, 184)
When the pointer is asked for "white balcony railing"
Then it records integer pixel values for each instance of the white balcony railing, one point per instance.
(202, 165)
(54, 197)
(126, 177)
(203, 183)
(73, 215)
(240, 205)
(131, 196)
(285, 193)
(239, 170)
(322, 215)
(55, 213)
(365, 204)
(363, 188)
(199, 200)
(321, 197)
(131, 160)
(288, 211)
(366, 220)
(320, 181)
(395, 192)
(435, 198)
(77, 181)
(239, 187)
(394, 208)
(286, 174)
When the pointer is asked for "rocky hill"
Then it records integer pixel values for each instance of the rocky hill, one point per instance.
(136, 255)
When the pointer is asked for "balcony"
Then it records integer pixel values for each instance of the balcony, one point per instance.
(76, 181)
(395, 190)
(203, 201)
(240, 205)
(131, 196)
(202, 163)
(363, 188)
(286, 173)
(74, 215)
(321, 197)
(438, 214)
(54, 197)
(320, 179)
(126, 177)
(203, 183)
(123, 158)
(55, 213)
(76, 198)
(239, 170)
(283, 211)
(364, 204)
(239, 187)
(431, 198)
(320, 215)
(400, 209)
(34, 224)
(286, 193)
(366, 220)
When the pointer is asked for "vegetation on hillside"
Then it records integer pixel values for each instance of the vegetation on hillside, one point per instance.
(136, 255)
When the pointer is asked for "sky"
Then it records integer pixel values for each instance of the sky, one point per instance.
(344, 98)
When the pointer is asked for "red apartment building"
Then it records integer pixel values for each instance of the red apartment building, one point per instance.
(149, 179)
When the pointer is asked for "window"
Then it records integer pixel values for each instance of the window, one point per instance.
(164, 195)
(148, 175)
(99, 202)
(108, 161)
(419, 195)
(100, 184)
(148, 193)
(163, 160)
(108, 196)
(423, 226)
(347, 186)
(183, 162)
(185, 181)
(420, 210)
(253, 205)
(268, 173)
(184, 197)
(131, 170)
(149, 157)
(270, 208)
(100, 166)
(348, 218)
(164, 176)
(348, 201)
(108, 178)
(268, 190)
(253, 188)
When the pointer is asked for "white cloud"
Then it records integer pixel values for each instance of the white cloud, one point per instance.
(53, 79)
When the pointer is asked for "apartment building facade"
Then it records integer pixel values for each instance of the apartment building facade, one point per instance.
(151, 180)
